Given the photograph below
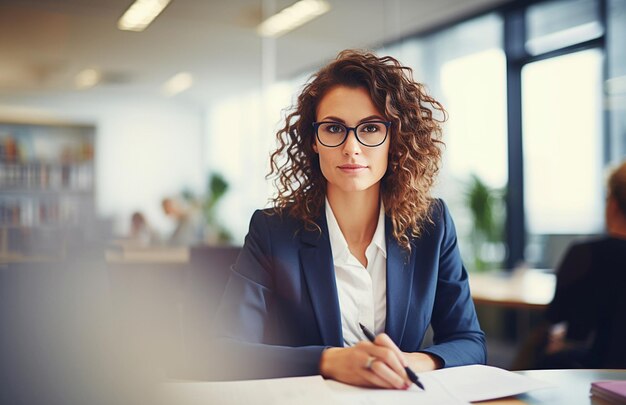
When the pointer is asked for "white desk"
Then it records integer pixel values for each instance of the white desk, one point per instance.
(530, 288)
(571, 388)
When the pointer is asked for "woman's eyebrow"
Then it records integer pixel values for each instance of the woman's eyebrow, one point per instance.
(333, 118)
(372, 117)
(337, 119)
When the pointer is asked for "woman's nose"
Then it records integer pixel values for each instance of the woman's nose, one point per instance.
(351, 145)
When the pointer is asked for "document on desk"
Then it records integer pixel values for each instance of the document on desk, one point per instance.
(455, 385)
(436, 393)
(480, 383)
(298, 390)
(450, 386)
(276, 391)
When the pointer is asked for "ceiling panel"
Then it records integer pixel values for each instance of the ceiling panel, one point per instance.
(44, 44)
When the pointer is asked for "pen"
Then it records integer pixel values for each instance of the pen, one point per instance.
(412, 376)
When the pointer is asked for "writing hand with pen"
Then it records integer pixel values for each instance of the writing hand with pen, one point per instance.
(375, 363)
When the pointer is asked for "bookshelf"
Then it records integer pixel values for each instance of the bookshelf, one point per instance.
(47, 187)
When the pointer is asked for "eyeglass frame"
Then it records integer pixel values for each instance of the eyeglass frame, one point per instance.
(316, 126)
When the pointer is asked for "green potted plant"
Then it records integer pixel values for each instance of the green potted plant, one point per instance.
(217, 186)
(486, 209)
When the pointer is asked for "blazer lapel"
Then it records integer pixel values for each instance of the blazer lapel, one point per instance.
(400, 271)
(317, 265)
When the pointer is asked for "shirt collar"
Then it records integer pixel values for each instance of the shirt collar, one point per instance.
(338, 244)
(379, 234)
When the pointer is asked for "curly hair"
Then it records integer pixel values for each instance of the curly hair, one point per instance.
(415, 147)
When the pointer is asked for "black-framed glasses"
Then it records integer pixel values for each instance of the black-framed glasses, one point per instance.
(368, 133)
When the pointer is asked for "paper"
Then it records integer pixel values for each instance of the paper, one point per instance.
(479, 383)
(435, 394)
(450, 386)
(456, 385)
(277, 391)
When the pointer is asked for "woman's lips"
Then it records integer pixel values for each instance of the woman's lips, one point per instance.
(352, 168)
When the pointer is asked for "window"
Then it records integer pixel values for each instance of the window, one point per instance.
(615, 86)
(562, 126)
(556, 24)
(465, 69)
(243, 136)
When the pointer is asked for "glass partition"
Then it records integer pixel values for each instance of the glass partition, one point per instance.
(556, 24)
(563, 143)
(615, 86)
(465, 69)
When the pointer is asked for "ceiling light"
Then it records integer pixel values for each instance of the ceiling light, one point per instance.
(140, 14)
(87, 78)
(292, 17)
(178, 83)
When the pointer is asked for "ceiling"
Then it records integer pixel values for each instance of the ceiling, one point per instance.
(45, 43)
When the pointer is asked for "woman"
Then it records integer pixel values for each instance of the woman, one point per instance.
(354, 237)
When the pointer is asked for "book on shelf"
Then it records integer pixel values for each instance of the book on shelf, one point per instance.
(613, 391)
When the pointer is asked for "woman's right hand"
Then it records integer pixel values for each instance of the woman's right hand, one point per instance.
(350, 365)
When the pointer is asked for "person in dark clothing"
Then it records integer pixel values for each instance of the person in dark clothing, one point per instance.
(588, 312)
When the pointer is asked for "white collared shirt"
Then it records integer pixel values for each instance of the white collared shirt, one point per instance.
(362, 291)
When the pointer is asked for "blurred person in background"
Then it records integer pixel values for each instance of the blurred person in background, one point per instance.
(586, 320)
(588, 308)
(354, 237)
(141, 232)
(189, 222)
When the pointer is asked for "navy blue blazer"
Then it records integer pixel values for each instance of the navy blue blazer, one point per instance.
(280, 308)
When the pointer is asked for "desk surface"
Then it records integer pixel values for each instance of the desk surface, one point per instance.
(530, 288)
(571, 387)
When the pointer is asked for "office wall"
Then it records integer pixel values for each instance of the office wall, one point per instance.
(145, 148)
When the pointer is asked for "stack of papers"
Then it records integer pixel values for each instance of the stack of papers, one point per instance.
(612, 391)
(450, 386)
(276, 391)
(456, 385)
